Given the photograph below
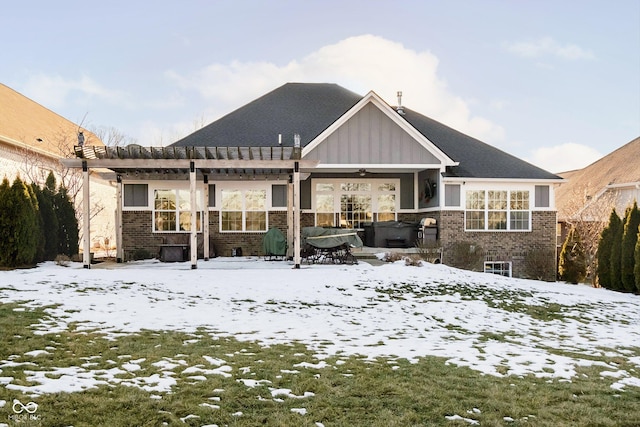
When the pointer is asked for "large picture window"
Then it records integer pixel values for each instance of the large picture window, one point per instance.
(243, 210)
(172, 210)
(350, 204)
(496, 210)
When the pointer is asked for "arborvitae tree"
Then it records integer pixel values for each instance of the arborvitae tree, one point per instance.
(573, 263)
(67, 223)
(47, 210)
(616, 253)
(604, 251)
(24, 225)
(6, 222)
(629, 240)
(636, 269)
(35, 193)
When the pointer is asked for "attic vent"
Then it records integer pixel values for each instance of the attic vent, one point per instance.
(400, 109)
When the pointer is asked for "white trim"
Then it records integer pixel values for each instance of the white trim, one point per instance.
(630, 185)
(512, 181)
(379, 167)
(373, 98)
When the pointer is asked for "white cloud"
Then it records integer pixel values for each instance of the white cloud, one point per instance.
(56, 92)
(564, 157)
(360, 64)
(547, 46)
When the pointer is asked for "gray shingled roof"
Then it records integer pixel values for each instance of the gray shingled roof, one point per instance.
(477, 159)
(303, 108)
(310, 108)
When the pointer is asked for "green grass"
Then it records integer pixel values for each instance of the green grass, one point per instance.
(350, 391)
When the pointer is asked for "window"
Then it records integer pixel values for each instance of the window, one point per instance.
(475, 210)
(353, 203)
(136, 195)
(386, 202)
(452, 195)
(355, 210)
(542, 196)
(497, 210)
(519, 210)
(212, 196)
(172, 210)
(503, 268)
(279, 196)
(497, 214)
(243, 210)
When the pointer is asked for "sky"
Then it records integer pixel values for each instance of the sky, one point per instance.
(556, 83)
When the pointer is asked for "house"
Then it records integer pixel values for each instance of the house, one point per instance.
(321, 155)
(33, 139)
(589, 194)
(611, 182)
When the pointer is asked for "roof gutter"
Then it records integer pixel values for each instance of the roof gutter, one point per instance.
(28, 147)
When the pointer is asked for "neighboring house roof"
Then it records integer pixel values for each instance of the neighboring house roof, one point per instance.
(618, 169)
(308, 109)
(25, 123)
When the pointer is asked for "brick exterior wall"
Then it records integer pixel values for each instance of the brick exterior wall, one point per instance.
(503, 246)
(499, 246)
(137, 235)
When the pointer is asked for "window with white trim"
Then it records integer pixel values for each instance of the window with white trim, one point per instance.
(497, 210)
(172, 210)
(350, 204)
(243, 210)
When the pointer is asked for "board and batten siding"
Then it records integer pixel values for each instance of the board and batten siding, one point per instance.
(370, 137)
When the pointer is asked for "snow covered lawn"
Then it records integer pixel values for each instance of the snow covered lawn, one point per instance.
(497, 326)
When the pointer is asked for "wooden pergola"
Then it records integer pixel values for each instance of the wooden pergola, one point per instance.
(194, 164)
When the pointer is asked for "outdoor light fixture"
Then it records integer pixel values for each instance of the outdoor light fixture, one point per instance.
(362, 172)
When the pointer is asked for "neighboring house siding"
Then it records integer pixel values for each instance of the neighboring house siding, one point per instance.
(625, 198)
(502, 245)
(14, 161)
(370, 137)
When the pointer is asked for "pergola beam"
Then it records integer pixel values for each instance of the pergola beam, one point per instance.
(152, 164)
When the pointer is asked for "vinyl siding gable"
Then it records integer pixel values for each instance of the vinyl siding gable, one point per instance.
(370, 137)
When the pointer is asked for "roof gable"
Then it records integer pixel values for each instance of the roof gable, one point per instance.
(372, 132)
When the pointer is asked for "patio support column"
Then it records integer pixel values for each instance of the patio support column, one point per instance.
(86, 230)
(296, 214)
(205, 219)
(119, 248)
(194, 213)
(290, 250)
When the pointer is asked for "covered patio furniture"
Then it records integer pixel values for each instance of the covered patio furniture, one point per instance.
(274, 245)
(329, 245)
